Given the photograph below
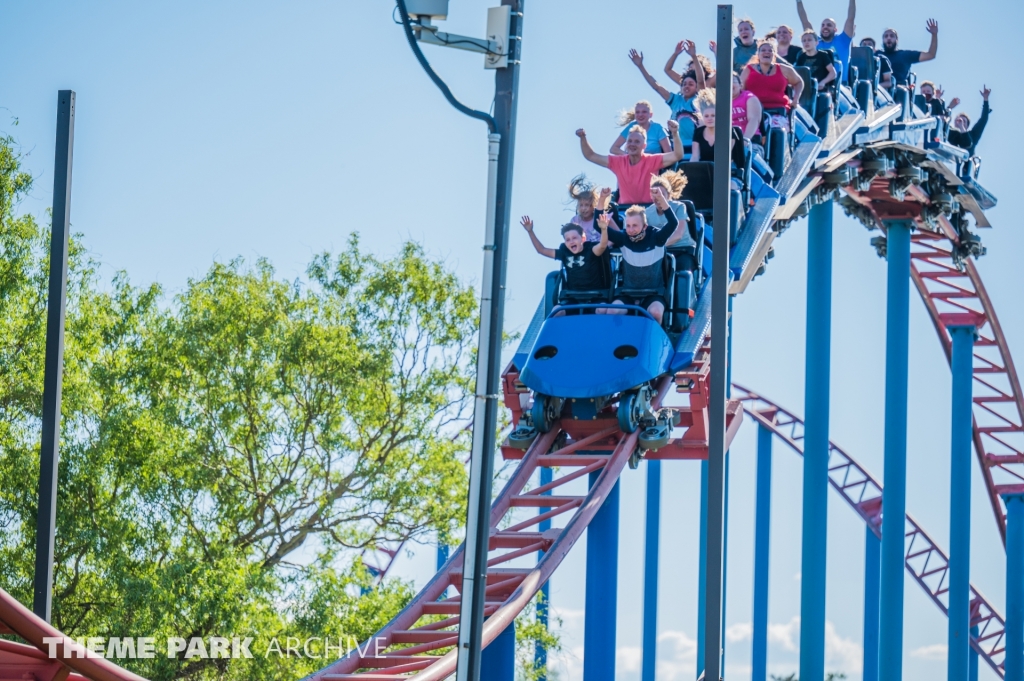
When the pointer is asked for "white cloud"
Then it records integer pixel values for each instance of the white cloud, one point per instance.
(786, 635)
(936, 651)
(842, 654)
(739, 632)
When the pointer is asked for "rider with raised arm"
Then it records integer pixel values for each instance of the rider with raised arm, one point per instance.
(832, 39)
(902, 60)
(966, 138)
(930, 100)
(582, 259)
(643, 249)
(634, 170)
(681, 103)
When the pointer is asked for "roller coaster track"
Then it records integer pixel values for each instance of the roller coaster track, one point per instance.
(954, 295)
(419, 641)
(925, 561)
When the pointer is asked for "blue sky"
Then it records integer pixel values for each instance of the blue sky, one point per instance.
(211, 130)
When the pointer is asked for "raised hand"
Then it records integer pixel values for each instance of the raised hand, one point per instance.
(660, 200)
(680, 47)
(636, 57)
(672, 125)
(527, 223)
(939, 92)
(691, 48)
(932, 27)
(581, 133)
(605, 192)
(603, 220)
(985, 92)
(955, 103)
(713, 46)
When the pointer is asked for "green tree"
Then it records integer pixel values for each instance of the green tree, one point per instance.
(227, 452)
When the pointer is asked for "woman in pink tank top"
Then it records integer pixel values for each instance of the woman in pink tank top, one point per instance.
(746, 109)
(767, 79)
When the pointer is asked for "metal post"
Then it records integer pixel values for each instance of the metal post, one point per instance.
(53, 370)
(602, 589)
(719, 361)
(498, 660)
(442, 555)
(1013, 663)
(540, 653)
(492, 310)
(652, 529)
(872, 566)
(725, 495)
(816, 447)
(702, 575)
(959, 640)
(762, 548)
(894, 497)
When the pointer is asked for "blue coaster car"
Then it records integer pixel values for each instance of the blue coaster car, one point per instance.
(596, 355)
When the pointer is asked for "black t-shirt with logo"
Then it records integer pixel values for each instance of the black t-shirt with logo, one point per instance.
(584, 271)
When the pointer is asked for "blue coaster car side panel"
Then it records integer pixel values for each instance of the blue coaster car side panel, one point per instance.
(596, 355)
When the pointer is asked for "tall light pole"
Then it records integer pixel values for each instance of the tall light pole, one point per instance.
(502, 50)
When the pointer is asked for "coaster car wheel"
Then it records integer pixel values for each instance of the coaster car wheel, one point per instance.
(545, 412)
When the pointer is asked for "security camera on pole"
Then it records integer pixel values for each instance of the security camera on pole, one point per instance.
(501, 50)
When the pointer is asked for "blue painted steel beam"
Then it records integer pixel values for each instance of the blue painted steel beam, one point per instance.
(1013, 663)
(762, 536)
(959, 640)
(652, 529)
(816, 447)
(872, 567)
(972, 674)
(602, 589)
(894, 498)
(540, 654)
(498, 660)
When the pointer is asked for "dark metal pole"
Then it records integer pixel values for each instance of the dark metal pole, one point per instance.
(719, 360)
(505, 103)
(49, 454)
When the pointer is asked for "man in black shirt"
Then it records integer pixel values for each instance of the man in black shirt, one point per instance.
(966, 138)
(820, 62)
(584, 268)
(643, 249)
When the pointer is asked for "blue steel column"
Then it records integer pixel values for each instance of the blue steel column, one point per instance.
(959, 641)
(540, 654)
(649, 646)
(602, 589)
(1013, 663)
(816, 406)
(894, 497)
(762, 536)
(872, 566)
(702, 575)
(972, 674)
(498, 660)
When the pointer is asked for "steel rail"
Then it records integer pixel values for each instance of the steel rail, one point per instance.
(998, 400)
